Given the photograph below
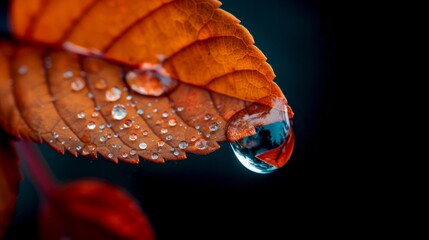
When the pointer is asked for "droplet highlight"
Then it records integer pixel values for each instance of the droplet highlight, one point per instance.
(119, 112)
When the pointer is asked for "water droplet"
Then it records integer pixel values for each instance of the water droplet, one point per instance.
(124, 154)
(109, 125)
(113, 94)
(155, 110)
(102, 126)
(148, 116)
(165, 115)
(110, 155)
(172, 122)
(193, 139)
(94, 114)
(164, 130)
(183, 145)
(201, 144)
(197, 127)
(68, 74)
(140, 111)
(133, 152)
(213, 127)
(101, 84)
(128, 123)
(88, 149)
(56, 135)
(119, 112)
(137, 126)
(150, 80)
(91, 125)
(271, 134)
(132, 137)
(145, 133)
(161, 143)
(155, 156)
(77, 84)
(207, 117)
(129, 97)
(180, 109)
(169, 137)
(116, 135)
(208, 135)
(90, 95)
(142, 145)
(97, 108)
(81, 115)
(103, 139)
(78, 147)
(176, 153)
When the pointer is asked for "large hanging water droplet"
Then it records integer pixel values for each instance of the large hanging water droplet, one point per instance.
(271, 142)
(119, 112)
(150, 80)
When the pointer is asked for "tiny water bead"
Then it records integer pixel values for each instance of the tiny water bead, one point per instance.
(77, 84)
(119, 112)
(113, 94)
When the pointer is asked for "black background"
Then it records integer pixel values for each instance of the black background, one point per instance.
(214, 196)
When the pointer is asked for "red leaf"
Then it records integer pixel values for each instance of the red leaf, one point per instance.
(10, 178)
(92, 209)
(189, 65)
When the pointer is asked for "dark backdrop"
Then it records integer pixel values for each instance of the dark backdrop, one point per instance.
(214, 195)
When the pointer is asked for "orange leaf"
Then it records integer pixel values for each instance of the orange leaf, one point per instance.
(10, 178)
(91, 209)
(154, 79)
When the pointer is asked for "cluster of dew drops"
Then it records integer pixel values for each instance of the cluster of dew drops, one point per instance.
(119, 112)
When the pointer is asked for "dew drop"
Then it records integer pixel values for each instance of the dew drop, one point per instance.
(68, 74)
(201, 144)
(180, 109)
(128, 123)
(77, 84)
(133, 152)
(145, 133)
(110, 155)
(176, 153)
(129, 97)
(56, 135)
(78, 147)
(103, 139)
(124, 154)
(81, 115)
(132, 137)
(198, 127)
(150, 80)
(164, 130)
(169, 137)
(161, 143)
(155, 156)
(140, 111)
(172, 122)
(213, 127)
(148, 116)
(183, 145)
(94, 114)
(91, 125)
(207, 117)
(142, 145)
(272, 134)
(113, 94)
(119, 112)
(165, 114)
(22, 70)
(102, 126)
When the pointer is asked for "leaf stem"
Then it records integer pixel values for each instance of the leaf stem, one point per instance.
(37, 169)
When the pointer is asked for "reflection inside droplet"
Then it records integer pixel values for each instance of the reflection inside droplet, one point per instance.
(269, 137)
